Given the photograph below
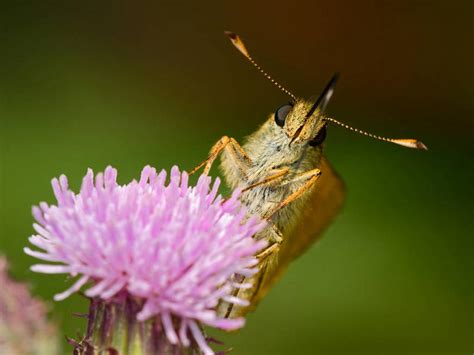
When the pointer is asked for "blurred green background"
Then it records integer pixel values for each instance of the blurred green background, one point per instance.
(87, 84)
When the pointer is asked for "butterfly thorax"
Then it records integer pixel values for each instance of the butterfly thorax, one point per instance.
(268, 150)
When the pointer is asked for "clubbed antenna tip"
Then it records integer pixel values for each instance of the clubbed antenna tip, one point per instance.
(237, 42)
(409, 143)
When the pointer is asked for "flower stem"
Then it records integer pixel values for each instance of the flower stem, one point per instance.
(113, 329)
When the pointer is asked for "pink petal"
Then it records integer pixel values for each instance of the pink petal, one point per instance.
(74, 288)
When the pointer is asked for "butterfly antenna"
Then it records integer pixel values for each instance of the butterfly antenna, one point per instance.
(237, 42)
(410, 143)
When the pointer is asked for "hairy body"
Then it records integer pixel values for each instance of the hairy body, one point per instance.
(277, 168)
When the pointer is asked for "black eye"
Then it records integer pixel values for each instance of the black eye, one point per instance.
(281, 113)
(319, 138)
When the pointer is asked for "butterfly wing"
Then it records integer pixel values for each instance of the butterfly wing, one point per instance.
(325, 202)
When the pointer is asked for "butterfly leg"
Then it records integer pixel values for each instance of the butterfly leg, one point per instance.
(308, 178)
(277, 175)
(268, 251)
(266, 260)
(274, 178)
(234, 150)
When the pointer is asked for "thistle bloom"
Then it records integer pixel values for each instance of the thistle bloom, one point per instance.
(172, 248)
(24, 327)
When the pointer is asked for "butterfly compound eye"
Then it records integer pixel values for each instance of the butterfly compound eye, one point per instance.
(281, 113)
(320, 137)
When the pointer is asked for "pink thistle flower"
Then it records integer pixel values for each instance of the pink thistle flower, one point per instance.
(175, 247)
(24, 326)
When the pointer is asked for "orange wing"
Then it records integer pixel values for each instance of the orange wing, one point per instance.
(325, 202)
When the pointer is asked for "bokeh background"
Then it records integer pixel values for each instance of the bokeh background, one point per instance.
(87, 84)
